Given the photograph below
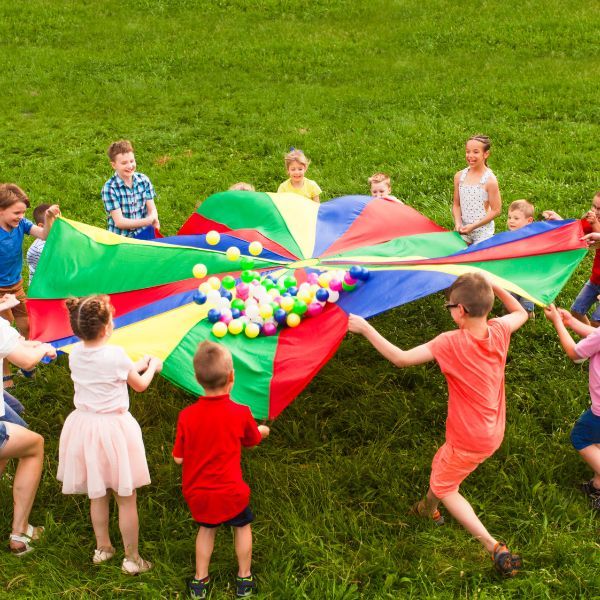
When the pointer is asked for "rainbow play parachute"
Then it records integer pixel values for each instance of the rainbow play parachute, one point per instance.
(152, 287)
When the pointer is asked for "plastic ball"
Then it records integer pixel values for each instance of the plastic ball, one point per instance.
(204, 287)
(215, 283)
(213, 315)
(199, 297)
(312, 278)
(233, 253)
(226, 293)
(213, 296)
(246, 263)
(255, 275)
(236, 313)
(292, 290)
(265, 311)
(238, 304)
(322, 295)
(255, 248)
(335, 285)
(299, 307)
(333, 296)
(213, 238)
(305, 296)
(223, 304)
(246, 276)
(252, 311)
(270, 328)
(314, 309)
(347, 287)
(219, 329)
(199, 271)
(228, 282)
(273, 293)
(235, 326)
(290, 281)
(355, 271)
(364, 274)
(323, 280)
(226, 319)
(280, 315)
(287, 303)
(349, 280)
(293, 320)
(252, 330)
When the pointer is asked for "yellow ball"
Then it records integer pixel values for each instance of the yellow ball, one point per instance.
(255, 248)
(252, 330)
(273, 293)
(324, 280)
(213, 238)
(293, 320)
(265, 311)
(215, 283)
(204, 287)
(233, 253)
(235, 326)
(199, 271)
(287, 303)
(305, 296)
(219, 329)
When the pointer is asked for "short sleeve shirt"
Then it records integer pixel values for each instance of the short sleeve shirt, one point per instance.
(309, 189)
(33, 256)
(11, 252)
(474, 371)
(100, 378)
(9, 338)
(210, 436)
(595, 276)
(131, 200)
(589, 347)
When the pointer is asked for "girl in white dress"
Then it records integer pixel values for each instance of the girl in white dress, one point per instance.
(101, 450)
(477, 199)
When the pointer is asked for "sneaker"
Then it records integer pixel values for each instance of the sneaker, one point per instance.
(135, 566)
(245, 586)
(198, 588)
(506, 563)
(590, 490)
(418, 509)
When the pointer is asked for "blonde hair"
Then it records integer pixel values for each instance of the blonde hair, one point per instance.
(380, 178)
(89, 315)
(212, 365)
(296, 155)
(120, 147)
(473, 292)
(242, 186)
(523, 206)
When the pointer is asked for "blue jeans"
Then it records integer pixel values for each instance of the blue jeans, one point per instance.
(586, 297)
(12, 410)
(528, 305)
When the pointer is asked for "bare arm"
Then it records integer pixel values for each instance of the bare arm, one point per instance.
(124, 223)
(178, 460)
(494, 209)
(581, 329)
(50, 216)
(140, 381)
(27, 355)
(564, 337)
(456, 212)
(517, 315)
(401, 358)
(151, 207)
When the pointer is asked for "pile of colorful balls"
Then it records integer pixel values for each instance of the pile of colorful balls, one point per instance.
(260, 304)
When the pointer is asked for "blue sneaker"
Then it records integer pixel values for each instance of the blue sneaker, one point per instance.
(198, 588)
(245, 586)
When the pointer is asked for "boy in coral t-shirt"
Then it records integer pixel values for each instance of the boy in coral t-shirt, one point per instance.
(472, 359)
(208, 443)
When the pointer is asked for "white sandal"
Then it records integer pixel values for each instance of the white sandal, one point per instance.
(102, 555)
(135, 566)
(32, 533)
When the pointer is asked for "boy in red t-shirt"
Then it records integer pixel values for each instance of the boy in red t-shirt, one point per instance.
(208, 443)
(472, 359)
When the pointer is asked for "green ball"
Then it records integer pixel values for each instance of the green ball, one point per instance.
(238, 303)
(269, 285)
(348, 288)
(299, 307)
(247, 276)
(228, 282)
(290, 281)
(246, 263)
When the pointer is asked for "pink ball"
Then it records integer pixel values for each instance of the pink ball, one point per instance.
(349, 280)
(269, 328)
(335, 285)
(314, 309)
(242, 290)
(226, 318)
(312, 278)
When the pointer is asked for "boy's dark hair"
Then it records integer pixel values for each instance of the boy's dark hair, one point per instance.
(11, 193)
(89, 315)
(212, 365)
(120, 147)
(474, 292)
(39, 213)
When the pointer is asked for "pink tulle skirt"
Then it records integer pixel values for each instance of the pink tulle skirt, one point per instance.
(98, 452)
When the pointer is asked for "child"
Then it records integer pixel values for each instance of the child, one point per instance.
(101, 451)
(242, 186)
(210, 435)
(296, 165)
(128, 196)
(16, 441)
(585, 435)
(472, 359)
(13, 227)
(381, 186)
(35, 250)
(520, 214)
(477, 199)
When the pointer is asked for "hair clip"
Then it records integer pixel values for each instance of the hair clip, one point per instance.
(292, 148)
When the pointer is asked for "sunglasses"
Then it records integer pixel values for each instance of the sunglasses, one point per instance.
(449, 305)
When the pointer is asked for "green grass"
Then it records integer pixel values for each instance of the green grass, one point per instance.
(216, 92)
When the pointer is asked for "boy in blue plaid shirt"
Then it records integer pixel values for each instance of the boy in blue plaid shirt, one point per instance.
(128, 196)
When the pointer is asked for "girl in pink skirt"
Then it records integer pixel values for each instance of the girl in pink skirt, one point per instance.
(101, 448)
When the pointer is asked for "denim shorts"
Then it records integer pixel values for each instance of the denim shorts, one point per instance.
(528, 305)
(586, 431)
(12, 410)
(3, 435)
(586, 297)
(241, 520)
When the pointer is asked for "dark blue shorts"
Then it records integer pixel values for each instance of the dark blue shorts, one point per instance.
(3, 435)
(241, 520)
(12, 410)
(586, 431)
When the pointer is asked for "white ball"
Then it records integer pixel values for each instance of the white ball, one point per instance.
(333, 296)
(213, 297)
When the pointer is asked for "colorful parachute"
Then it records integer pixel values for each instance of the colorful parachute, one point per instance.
(152, 287)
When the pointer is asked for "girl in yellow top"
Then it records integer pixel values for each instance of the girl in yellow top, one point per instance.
(296, 165)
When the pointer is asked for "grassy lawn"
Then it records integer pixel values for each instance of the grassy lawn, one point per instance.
(216, 92)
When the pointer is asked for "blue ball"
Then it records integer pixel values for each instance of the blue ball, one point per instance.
(226, 293)
(214, 315)
(236, 313)
(280, 315)
(199, 297)
(322, 295)
(293, 290)
(355, 271)
(364, 274)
